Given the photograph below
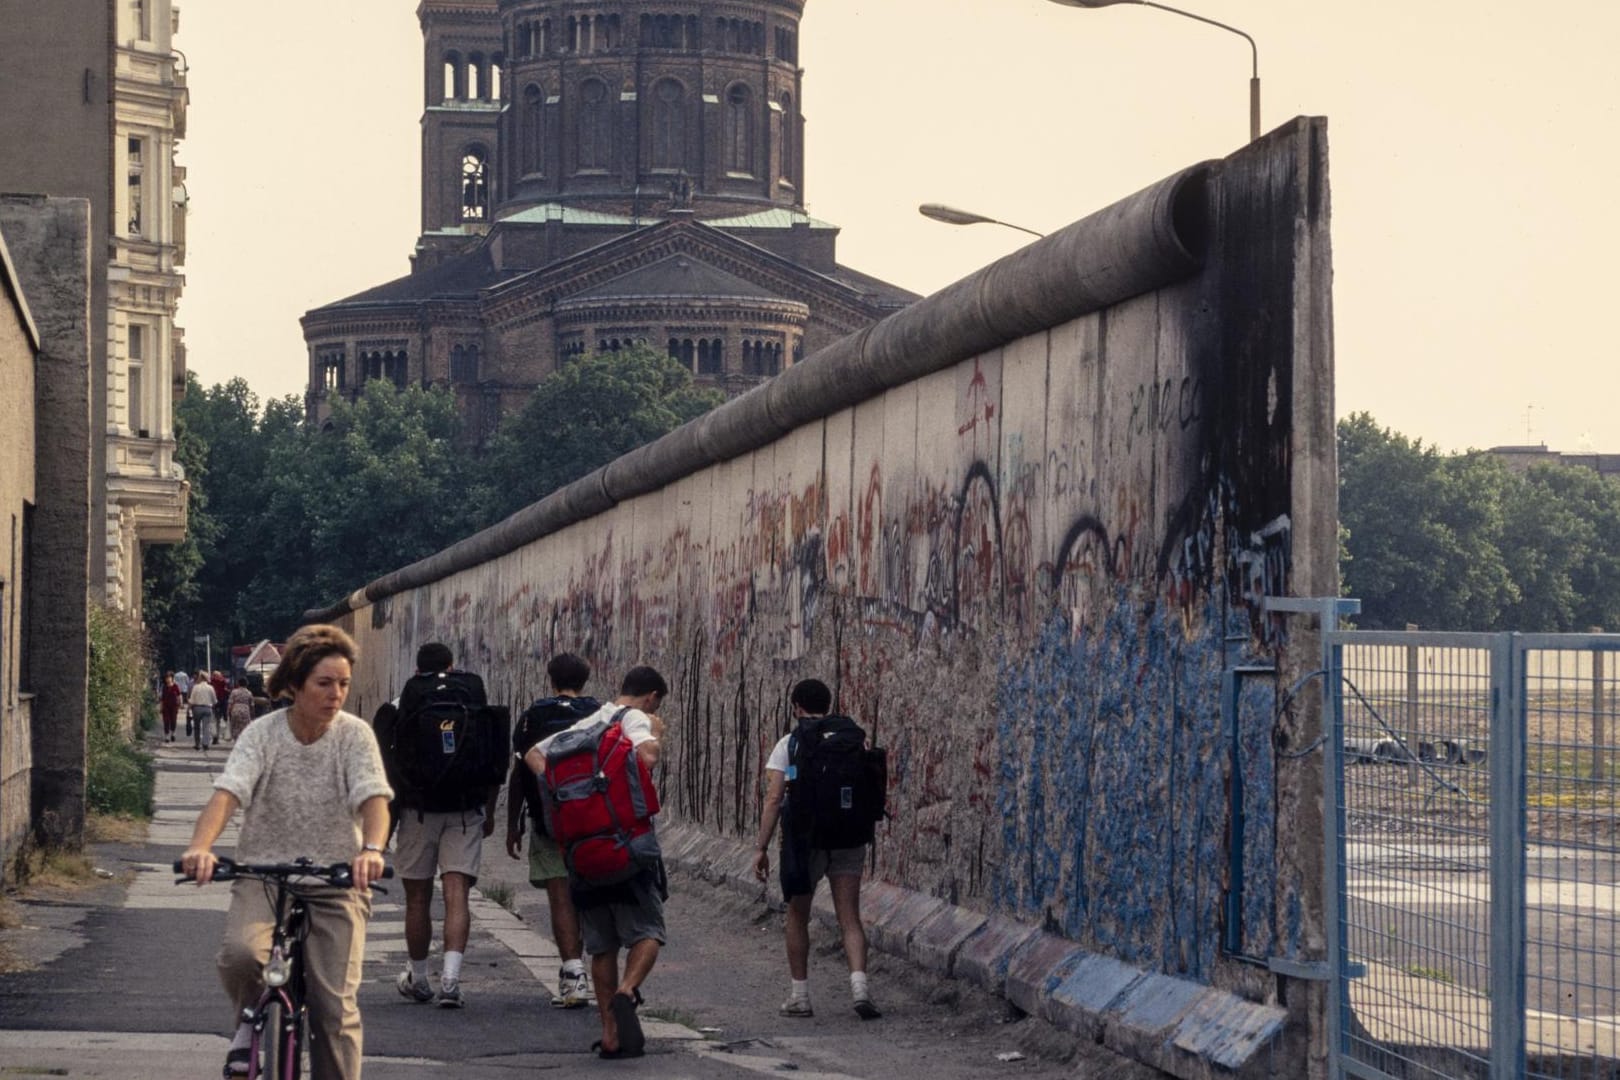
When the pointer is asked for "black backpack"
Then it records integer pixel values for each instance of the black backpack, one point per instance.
(839, 787)
(543, 719)
(448, 745)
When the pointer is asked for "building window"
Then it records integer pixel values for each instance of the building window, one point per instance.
(137, 357)
(711, 357)
(669, 125)
(475, 78)
(330, 364)
(787, 45)
(452, 76)
(788, 128)
(595, 126)
(464, 364)
(739, 131)
(532, 131)
(141, 10)
(474, 185)
(136, 189)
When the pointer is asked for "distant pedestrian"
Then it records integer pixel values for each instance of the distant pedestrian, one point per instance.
(806, 759)
(203, 702)
(169, 705)
(628, 915)
(546, 717)
(239, 708)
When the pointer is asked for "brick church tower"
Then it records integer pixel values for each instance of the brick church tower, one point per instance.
(595, 175)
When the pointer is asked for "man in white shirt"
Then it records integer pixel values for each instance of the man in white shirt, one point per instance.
(630, 915)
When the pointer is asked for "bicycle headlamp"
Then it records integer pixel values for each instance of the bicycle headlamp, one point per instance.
(277, 970)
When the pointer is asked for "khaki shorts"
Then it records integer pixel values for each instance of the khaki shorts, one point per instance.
(545, 859)
(429, 844)
(836, 862)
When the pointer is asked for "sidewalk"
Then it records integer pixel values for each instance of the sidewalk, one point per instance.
(124, 986)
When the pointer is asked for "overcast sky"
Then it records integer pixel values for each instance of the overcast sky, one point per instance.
(1472, 153)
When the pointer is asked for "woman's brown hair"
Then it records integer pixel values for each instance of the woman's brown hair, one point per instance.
(308, 646)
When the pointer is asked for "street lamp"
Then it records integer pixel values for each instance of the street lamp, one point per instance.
(950, 215)
(1254, 50)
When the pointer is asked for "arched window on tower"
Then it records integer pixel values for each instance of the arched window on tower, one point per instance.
(452, 76)
(495, 63)
(669, 126)
(475, 78)
(464, 364)
(787, 128)
(474, 185)
(531, 130)
(739, 131)
(595, 131)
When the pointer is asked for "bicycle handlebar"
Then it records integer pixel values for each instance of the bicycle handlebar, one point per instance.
(339, 874)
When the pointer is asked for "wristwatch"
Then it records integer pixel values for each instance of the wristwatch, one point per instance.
(372, 847)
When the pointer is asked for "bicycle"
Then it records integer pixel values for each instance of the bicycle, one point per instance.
(280, 1019)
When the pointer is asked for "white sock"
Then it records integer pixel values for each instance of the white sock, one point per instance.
(574, 967)
(243, 1037)
(419, 970)
(452, 968)
(857, 984)
(800, 989)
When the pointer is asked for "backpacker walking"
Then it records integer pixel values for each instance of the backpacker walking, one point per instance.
(597, 782)
(445, 749)
(547, 870)
(826, 787)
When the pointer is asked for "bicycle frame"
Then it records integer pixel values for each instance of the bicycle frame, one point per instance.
(279, 1019)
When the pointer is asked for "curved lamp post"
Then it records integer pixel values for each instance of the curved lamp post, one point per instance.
(950, 215)
(1254, 50)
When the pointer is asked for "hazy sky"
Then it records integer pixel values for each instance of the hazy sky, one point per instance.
(1472, 153)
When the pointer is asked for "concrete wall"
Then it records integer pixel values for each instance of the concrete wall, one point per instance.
(50, 244)
(1022, 527)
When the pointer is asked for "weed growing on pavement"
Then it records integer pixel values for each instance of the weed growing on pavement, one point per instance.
(501, 893)
(115, 828)
(56, 868)
(673, 1016)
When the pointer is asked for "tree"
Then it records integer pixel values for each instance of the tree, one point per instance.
(1422, 531)
(589, 413)
(380, 486)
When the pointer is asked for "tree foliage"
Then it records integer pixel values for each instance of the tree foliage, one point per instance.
(583, 417)
(1461, 542)
(284, 517)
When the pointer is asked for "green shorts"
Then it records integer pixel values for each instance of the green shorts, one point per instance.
(545, 859)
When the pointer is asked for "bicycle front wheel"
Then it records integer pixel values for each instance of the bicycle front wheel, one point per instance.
(281, 1044)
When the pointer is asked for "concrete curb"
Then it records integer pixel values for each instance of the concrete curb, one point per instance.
(1184, 1028)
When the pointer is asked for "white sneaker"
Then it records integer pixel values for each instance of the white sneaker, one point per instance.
(572, 992)
(796, 1007)
(450, 996)
(415, 989)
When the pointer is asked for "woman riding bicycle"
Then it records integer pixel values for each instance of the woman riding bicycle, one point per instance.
(310, 782)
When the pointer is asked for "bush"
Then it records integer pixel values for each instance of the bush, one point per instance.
(118, 777)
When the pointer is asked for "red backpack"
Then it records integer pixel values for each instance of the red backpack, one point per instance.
(599, 803)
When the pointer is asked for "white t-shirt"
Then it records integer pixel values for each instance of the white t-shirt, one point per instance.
(778, 760)
(635, 724)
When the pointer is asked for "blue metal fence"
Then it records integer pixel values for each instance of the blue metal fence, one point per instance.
(1474, 856)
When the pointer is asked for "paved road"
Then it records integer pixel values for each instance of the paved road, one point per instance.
(124, 986)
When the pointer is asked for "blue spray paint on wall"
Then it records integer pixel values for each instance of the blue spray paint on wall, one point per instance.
(1112, 784)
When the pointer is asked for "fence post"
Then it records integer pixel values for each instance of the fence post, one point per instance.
(1599, 734)
(1413, 775)
(1509, 729)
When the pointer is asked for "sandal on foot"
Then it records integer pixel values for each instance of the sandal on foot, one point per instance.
(236, 1062)
(615, 1055)
(631, 1039)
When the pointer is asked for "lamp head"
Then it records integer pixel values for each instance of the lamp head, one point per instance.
(950, 215)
